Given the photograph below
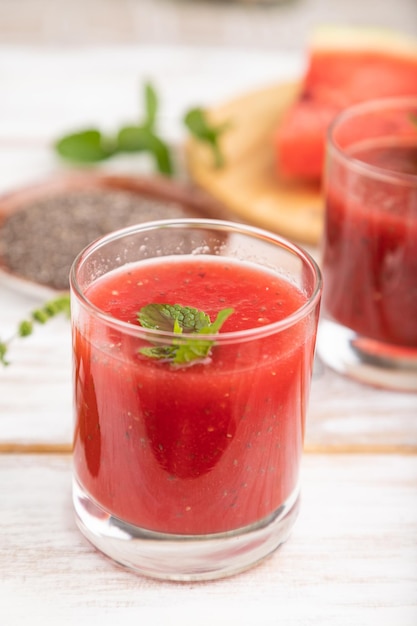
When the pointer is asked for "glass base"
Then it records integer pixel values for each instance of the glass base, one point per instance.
(183, 557)
(366, 360)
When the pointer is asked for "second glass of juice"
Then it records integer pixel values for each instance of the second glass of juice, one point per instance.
(193, 344)
(369, 323)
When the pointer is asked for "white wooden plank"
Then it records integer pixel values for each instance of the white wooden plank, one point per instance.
(352, 557)
(265, 24)
(48, 93)
(344, 413)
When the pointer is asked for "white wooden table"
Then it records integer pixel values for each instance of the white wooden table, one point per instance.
(253, 24)
(352, 557)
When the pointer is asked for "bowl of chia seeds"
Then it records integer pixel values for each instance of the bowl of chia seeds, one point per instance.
(44, 226)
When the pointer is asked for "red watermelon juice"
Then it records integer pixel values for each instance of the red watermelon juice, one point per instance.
(369, 324)
(193, 344)
(370, 260)
(206, 448)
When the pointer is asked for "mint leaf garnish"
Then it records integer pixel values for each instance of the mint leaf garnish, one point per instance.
(151, 106)
(164, 316)
(143, 139)
(86, 146)
(199, 126)
(181, 320)
(91, 146)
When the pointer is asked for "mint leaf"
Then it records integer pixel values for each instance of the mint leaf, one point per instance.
(166, 353)
(219, 321)
(142, 139)
(197, 123)
(181, 321)
(151, 106)
(87, 146)
(3, 350)
(164, 316)
(91, 146)
(192, 350)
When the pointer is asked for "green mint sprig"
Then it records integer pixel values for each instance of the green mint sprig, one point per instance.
(199, 126)
(181, 321)
(50, 309)
(91, 145)
(86, 146)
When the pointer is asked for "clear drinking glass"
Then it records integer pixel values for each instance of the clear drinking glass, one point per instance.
(369, 325)
(189, 470)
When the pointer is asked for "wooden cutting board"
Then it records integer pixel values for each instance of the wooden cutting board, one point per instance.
(249, 185)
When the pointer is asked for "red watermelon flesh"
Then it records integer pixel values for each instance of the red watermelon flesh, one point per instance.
(345, 66)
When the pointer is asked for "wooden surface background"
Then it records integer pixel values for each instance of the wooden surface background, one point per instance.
(256, 24)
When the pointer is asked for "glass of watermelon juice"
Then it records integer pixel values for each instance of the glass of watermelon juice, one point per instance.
(369, 322)
(193, 344)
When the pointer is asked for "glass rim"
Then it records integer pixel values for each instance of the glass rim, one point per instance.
(220, 225)
(378, 104)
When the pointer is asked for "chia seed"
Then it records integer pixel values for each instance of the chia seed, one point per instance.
(40, 240)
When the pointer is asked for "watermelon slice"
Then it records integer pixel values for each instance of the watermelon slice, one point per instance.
(345, 66)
